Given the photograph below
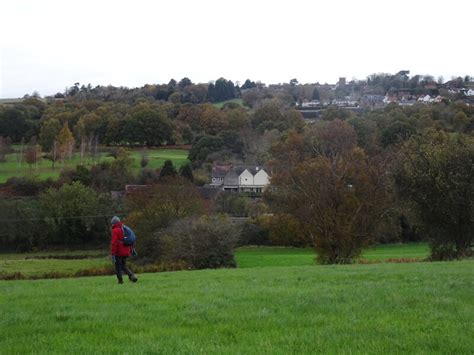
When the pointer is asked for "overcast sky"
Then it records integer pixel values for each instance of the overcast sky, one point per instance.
(47, 45)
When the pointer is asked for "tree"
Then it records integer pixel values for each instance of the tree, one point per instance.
(332, 188)
(168, 170)
(186, 172)
(147, 125)
(175, 98)
(203, 147)
(316, 95)
(65, 142)
(435, 175)
(49, 130)
(32, 154)
(272, 116)
(21, 228)
(294, 82)
(76, 214)
(248, 85)
(5, 147)
(184, 83)
(221, 90)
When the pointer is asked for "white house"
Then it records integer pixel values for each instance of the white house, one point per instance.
(240, 178)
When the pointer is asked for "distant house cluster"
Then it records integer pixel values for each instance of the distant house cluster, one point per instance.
(240, 178)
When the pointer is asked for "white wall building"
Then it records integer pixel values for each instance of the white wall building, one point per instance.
(240, 178)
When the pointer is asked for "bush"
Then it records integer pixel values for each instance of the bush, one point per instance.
(232, 204)
(157, 207)
(207, 242)
(285, 230)
(76, 214)
(254, 233)
(144, 161)
(80, 173)
(22, 226)
(24, 186)
(148, 177)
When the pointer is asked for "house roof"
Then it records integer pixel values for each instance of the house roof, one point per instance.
(253, 169)
(219, 171)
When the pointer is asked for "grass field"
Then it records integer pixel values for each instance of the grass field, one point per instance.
(249, 257)
(222, 103)
(44, 170)
(246, 257)
(377, 309)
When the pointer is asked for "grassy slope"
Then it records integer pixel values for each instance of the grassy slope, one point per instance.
(382, 308)
(156, 159)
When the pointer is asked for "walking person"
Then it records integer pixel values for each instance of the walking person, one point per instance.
(120, 252)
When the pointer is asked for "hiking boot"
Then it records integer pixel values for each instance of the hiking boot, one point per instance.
(133, 278)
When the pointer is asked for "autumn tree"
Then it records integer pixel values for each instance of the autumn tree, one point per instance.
(32, 154)
(65, 143)
(332, 188)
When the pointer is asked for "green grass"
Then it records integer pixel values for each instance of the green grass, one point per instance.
(222, 103)
(397, 251)
(43, 170)
(377, 309)
(248, 257)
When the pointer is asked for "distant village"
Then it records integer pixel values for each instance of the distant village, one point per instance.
(361, 95)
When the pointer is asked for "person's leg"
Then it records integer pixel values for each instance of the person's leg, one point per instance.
(131, 275)
(118, 268)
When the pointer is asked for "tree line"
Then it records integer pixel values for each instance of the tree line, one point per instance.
(338, 184)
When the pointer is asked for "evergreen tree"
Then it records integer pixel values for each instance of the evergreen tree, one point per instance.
(186, 172)
(168, 170)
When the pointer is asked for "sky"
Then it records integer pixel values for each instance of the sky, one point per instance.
(49, 45)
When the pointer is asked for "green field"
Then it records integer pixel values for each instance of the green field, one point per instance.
(222, 103)
(377, 309)
(246, 257)
(44, 170)
(249, 257)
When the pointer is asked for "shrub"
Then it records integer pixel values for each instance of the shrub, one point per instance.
(22, 226)
(148, 177)
(76, 214)
(144, 161)
(27, 186)
(254, 233)
(232, 204)
(285, 230)
(207, 242)
(157, 207)
(79, 173)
